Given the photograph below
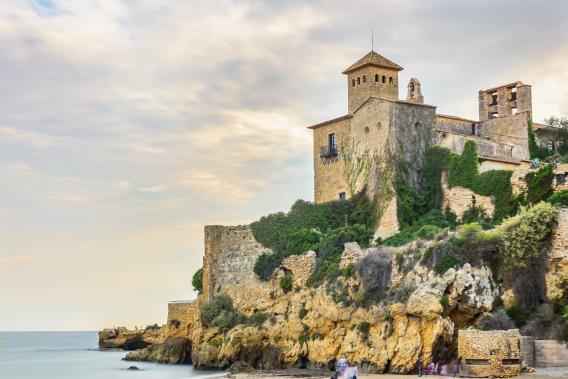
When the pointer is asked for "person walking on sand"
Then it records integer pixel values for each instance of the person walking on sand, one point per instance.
(351, 372)
(420, 367)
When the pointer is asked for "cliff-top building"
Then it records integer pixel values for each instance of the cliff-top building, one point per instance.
(379, 125)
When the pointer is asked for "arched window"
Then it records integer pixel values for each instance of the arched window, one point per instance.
(352, 82)
(364, 79)
(358, 80)
(384, 79)
(376, 77)
(390, 80)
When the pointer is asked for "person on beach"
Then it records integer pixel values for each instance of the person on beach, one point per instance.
(341, 365)
(351, 372)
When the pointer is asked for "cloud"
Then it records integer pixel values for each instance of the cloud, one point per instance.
(152, 118)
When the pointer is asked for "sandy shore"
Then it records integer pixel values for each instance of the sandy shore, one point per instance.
(550, 373)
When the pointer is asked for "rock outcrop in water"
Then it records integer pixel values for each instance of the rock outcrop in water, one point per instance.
(128, 339)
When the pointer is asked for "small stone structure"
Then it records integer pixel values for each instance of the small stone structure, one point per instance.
(495, 353)
(301, 267)
(550, 353)
(182, 315)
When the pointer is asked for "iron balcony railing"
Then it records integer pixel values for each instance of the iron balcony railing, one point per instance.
(329, 151)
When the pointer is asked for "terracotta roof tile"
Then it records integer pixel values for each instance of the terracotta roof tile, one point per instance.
(373, 59)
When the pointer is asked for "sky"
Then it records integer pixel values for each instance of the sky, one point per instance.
(126, 126)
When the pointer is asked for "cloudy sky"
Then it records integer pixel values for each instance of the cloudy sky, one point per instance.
(125, 126)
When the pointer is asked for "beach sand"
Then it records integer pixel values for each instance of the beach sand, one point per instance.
(549, 373)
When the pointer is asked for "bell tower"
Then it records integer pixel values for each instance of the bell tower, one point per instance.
(372, 75)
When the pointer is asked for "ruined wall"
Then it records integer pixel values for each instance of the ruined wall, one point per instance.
(181, 317)
(459, 199)
(230, 255)
(494, 353)
(557, 273)
(328, 171)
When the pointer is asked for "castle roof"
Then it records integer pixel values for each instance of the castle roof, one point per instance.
(372, 59)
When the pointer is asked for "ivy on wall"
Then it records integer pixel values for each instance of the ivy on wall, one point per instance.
(535, 151)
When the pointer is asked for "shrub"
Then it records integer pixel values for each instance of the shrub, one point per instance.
(539, 184)
(348, 271)
(518, 315)
(258, 318)
(375, 273)
(559, 198)
(302, 313)
(197, 281)
(363, 328)
(498, 320)
(286, 283)
(427, 231)
(219, 312)
(448, 261)
(476, 214)
(332, 246)
(266, 263)
(427, 226)
(535, 151)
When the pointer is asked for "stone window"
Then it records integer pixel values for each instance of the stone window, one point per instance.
(366, 130)
(493, 114)
(494, 98)
(376, 77)
(390, 80)
(514, 110)
(513, 93)
(358, 80)
(364, 79)
(384, 79)
(342, 196)
(352, 82)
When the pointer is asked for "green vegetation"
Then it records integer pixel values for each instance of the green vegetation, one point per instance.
(539, 184)
(425, 227)
(197, 281)
(219, 312)
(559, 198)
(258, 318)
(535, 151)
(308, 226)
(286, 283)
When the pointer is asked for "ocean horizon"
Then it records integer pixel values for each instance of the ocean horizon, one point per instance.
(75, 354)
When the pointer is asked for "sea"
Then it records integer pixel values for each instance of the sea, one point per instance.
(57, 355)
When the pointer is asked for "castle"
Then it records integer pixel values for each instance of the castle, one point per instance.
(382, 126)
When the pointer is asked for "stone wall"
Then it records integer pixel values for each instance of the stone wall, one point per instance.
(550, 353)
(459, 199)
(494, 353)
(557, 273)
(362, 90)
(328, 171)
(230, 255)
(301, 267)
(182, 315)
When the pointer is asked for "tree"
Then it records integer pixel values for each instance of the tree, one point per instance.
(561, 125)
(197, 281)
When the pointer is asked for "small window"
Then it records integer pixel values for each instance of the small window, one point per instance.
(342, 196)
(473, 131)
(384, 79)
(364, 79)
(352, 82)
(494, 98)
(332, 145)
(366, 130)
(358, 80)
(514, 94)
(390, 80)
(560, 179)
(493, 114)
(514, 110)
(376, 77)
(477, 362)
(509, 362)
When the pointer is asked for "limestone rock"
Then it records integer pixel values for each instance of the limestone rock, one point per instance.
(126, 339)
(172, 350)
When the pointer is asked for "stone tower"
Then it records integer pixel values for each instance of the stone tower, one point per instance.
(414, 94)
(372, 75)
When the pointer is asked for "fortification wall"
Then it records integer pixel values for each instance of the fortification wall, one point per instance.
(550, 353)
(182, 315)
(230, 255)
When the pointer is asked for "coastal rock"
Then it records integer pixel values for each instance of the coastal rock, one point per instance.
(172, 350)
(128, 339)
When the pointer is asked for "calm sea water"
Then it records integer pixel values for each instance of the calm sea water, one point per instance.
(47, 355)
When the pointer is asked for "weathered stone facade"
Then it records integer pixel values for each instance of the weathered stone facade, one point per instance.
(557, 273)
(381, 125)
(182, 316)
(230, 255)
(494, 353)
